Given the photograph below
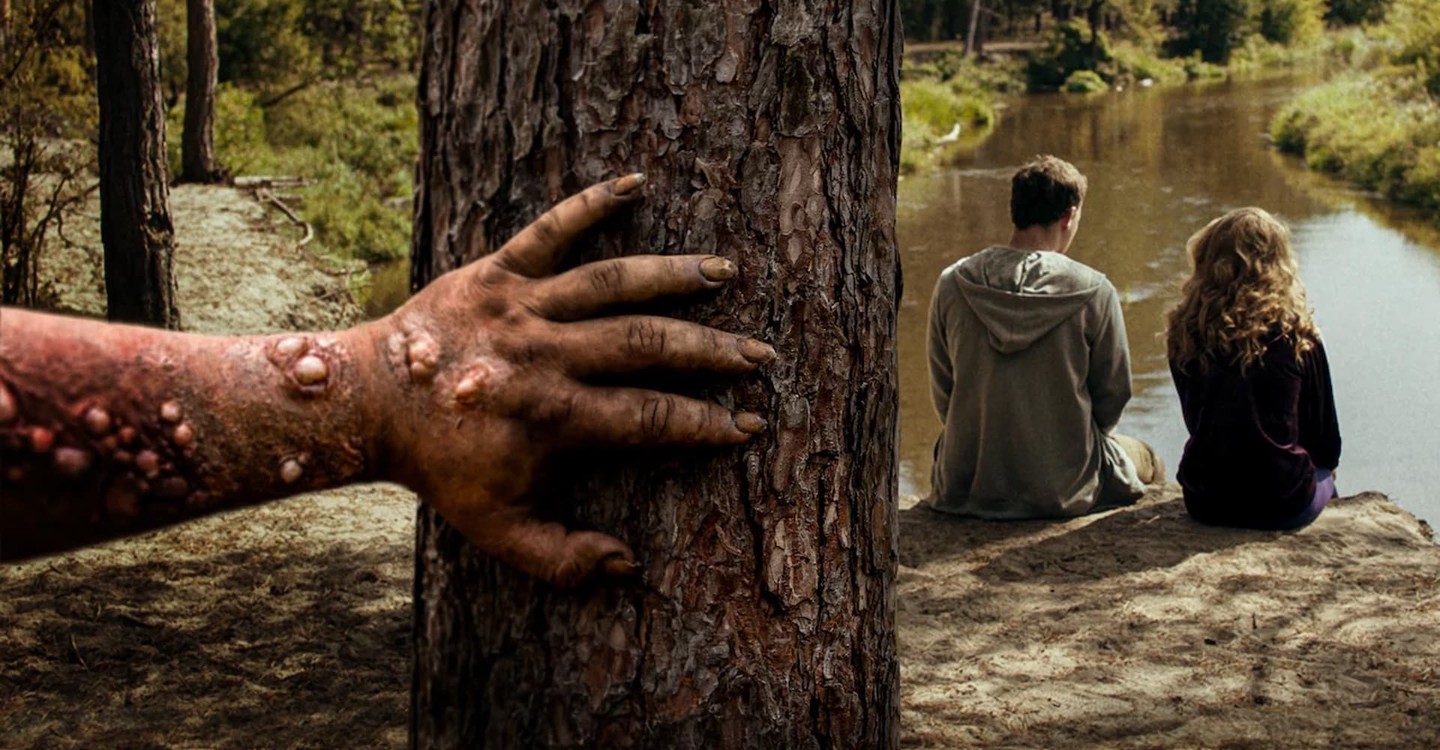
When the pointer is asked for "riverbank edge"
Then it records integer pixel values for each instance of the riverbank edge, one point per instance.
(1377, 130)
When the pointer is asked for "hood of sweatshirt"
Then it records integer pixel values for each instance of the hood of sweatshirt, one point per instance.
(1021, 295)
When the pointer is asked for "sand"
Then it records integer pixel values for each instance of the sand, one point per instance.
(288, 626)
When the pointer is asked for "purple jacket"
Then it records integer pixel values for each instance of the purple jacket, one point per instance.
(1257, 437)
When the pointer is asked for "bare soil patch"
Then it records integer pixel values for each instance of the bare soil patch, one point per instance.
(1139, 628)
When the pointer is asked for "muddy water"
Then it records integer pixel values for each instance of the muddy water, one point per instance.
(1161, 163)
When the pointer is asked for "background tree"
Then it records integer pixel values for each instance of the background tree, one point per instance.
(1211, 27)
(197, 145)
(765, 614)
(135, 224)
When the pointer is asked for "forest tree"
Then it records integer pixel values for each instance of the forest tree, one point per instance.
(135, 224)
(763, 614)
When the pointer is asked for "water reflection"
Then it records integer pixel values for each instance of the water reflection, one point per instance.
(1161, 163)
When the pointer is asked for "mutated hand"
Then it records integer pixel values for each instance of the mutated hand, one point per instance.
(496, 362)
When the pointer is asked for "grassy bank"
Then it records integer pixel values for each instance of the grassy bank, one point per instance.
(1378, 125)
(949, 104)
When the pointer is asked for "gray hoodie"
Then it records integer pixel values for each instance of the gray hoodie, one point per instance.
(1029, 371)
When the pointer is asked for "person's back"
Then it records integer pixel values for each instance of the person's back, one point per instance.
(1030, 370)
(1253, 381)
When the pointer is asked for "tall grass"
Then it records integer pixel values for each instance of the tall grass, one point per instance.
(948, 104)
(1378, 130)
(1378, 126)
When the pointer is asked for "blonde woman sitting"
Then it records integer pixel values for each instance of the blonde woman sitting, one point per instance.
(1253, 381)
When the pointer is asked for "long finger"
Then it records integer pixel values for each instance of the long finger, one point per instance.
(635, 416)
(538, 247)
(584, 291)
(551, 552)
(633, 343)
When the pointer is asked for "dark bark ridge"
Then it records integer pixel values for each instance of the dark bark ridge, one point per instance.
(770, 136)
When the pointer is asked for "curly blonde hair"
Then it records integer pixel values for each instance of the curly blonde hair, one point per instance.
(1244, 290)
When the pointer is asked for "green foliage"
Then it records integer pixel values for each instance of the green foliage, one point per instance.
(1290, 22)
(1349, 12)
(1132, 63)
(261, 43)
(47, 114)
(1085, 82)
(273, 45)
(354, 144)
(942, 114)
(1414, 25)
(933, 20)
(1213, 28)
(1379, 131)
(1070, 47)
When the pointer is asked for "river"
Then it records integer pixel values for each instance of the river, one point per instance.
(1161, 163)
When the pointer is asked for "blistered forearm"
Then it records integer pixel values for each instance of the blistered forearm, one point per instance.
(109, 430)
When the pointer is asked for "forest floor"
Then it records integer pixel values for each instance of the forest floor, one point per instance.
(288, 626)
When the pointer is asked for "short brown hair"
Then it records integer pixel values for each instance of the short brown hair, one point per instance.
(1043, 190)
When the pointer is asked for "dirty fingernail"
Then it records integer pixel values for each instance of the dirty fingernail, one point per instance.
(750, 423)
(617, 566)
(630, 183)
(717, 269)
(757, 351)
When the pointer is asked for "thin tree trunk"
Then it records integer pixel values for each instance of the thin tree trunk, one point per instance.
(766, 613)
(974, 23)
(134, 179)
(197, 143)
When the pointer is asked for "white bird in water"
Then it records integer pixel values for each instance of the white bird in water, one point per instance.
(952, 136)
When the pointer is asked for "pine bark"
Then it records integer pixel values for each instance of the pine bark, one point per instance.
(770, 133)
(135, 224)
(197, 143)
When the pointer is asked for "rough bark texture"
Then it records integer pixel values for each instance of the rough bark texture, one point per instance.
(197, 143)
(770, 134)
(134, 178)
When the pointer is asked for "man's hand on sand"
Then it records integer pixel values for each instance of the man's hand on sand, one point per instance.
(494, 362)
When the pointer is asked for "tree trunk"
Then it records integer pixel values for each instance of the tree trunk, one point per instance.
(974, 23)
(770, 135)
(134, 178)
(197, 143)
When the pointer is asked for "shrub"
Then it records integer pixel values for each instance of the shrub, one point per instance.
(1130, 62)
(1212, 28)
(1290, 22)
(1378, 131)
(1071, 46)
(1414, 25)
(1085, 82)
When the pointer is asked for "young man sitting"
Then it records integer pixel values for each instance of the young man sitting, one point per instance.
(1030, 370)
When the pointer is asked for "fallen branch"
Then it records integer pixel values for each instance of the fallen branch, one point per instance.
(253, 182)
(264, 194)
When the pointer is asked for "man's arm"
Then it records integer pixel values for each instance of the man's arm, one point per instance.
(942, 375)
(108, 430)
(1109, 378)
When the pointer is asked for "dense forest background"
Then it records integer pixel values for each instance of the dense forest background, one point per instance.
(324, 90)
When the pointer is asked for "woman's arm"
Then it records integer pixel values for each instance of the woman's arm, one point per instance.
(1319, 424)
(108, 430)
